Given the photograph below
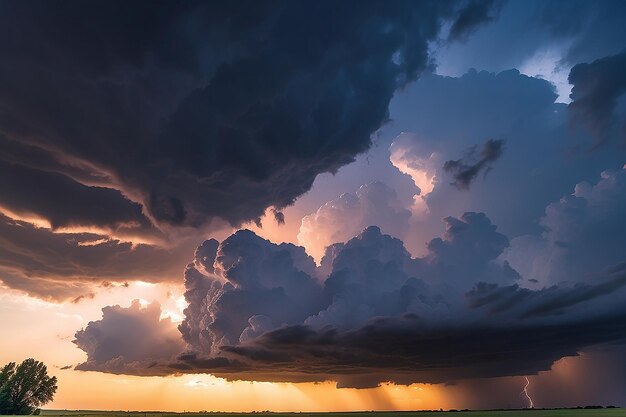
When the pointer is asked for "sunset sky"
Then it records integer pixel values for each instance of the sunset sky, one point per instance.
(315, 205)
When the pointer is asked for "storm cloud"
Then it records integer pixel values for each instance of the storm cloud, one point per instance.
(60, 266)
(207, 110)
(597, 87)
(65, 203)
(182, 116)
(130, 133)
(593, 212)
(475, 161)
(438, 117)
(262, 311)
(543, 39)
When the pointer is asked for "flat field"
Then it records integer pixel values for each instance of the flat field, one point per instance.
(604, 412)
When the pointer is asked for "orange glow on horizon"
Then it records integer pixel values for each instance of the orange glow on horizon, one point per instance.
(207, 393)
(50, 341)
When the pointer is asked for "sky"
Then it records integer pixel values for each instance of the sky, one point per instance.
(315, 206)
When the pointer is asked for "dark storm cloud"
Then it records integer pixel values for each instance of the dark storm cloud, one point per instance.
(198, 110)
(519, 341)
(597, 87)
(419, 352)
(405, 349)
(471, 18)
(61, 266)
(257, 312)
(130, 118)
(37, 158)
(279, 216)
(596, 376)
(594, 29)
(464, 170)
(64, 202)
(280, 100)
(454, 314)
(524, 303)
(544, 37)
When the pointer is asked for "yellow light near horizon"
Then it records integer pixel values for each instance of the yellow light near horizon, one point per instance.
(49, 338)
(97, 391)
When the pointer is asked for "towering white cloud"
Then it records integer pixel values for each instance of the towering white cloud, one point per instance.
(421, 166)
(128, 339)
(343, 218)
(264, 311)
(245, 287)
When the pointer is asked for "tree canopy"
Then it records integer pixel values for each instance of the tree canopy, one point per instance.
(25, 387)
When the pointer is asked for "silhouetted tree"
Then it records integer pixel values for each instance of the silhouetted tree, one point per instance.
(25, 387)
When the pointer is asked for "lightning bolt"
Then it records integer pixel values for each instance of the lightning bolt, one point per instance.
(525, 393)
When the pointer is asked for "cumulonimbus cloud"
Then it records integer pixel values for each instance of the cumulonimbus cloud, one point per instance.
(263, 311)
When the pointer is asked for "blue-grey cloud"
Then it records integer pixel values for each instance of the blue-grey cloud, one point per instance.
(543, 156)
(261, 313)
(181, 115)
(545, 37)
(464, 170)
(198, 110)
(582, 233)
(473, 17)
(597, 87)
(62, 266)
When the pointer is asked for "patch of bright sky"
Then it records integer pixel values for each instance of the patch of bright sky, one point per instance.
(64, 319)
(512, 40)
(548, 64)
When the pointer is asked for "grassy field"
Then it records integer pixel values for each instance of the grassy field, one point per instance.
(606, 412)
